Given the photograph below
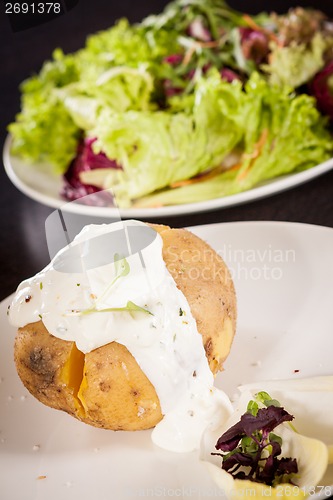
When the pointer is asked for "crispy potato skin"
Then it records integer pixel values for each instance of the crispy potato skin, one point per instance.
(202, 276)
(40, 358)
(116, 393)
(106, 387)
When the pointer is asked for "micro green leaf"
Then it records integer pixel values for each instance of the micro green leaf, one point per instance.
(121, 266)
(264, 398)
(122, 269)
(251, 450)
(249, 445)
(130, 307)
(252, 407)
(274, 437)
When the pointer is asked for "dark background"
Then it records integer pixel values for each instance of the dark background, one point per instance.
(22, 246)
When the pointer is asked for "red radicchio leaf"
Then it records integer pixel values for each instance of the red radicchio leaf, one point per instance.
(255, 44)
(248, 462)
(237, 459)
(174, 59)
(288, 466)
(85, 159)
(229, 75)
(199, 31)
(265, 420)
(319, 88)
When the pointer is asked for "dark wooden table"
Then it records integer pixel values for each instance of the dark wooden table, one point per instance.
(23, 249)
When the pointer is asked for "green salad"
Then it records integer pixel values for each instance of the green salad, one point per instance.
(195, 103)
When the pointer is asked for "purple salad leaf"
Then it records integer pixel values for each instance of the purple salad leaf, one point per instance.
(321, 89)
(85, 159)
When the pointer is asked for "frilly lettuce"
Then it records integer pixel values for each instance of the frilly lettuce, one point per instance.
(68, 93)
(119, 89)
(157, 149)
(115, 90)
(283, 134)
(44, 130)
(126, 44)
(45, 133)
(296, 64)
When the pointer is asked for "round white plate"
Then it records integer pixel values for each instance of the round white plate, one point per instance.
(42, 185)
(283, 275)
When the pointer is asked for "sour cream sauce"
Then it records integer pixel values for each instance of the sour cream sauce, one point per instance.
(70, 297)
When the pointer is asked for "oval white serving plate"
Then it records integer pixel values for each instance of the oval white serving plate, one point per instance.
(43, 186)
(283, 273)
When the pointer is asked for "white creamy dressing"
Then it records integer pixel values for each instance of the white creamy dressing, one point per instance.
(165, 343)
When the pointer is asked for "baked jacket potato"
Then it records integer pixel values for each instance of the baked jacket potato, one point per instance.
(106, 387)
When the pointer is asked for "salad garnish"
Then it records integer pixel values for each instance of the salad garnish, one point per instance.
(154, 111)
(251, 450)
(130, 307)
(122, 269)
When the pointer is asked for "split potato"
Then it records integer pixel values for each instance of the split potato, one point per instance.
(106, 387)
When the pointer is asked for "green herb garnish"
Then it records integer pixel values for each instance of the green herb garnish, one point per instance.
(251, 450)
(130, 307)
(122, 269)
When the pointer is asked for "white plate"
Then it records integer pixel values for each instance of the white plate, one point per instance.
(42, 185)
(283, 274)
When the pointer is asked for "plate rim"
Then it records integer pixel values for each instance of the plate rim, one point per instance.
(273, 187)
(301, 228)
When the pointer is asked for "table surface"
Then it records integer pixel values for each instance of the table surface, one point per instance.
(23, 247)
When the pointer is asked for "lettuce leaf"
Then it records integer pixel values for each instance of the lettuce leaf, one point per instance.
(165, 122)
(296, 64)
(70, 90)
(125, 44)
(283, 134)
(44, 130)
(119, 89)
(157, 149)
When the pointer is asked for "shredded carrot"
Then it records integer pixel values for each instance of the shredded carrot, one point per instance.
(198, 45)
(258, 146)
(237, 166)
(188, 55)
(199, 178)
(243, 174)
(218, 170)
(209, 45)
(254, 155)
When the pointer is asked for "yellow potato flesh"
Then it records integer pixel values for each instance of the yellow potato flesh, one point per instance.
(71, 376)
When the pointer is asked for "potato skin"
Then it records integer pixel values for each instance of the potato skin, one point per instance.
(116, 393)
(106, 387)
(40, 359)
(203, 277)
